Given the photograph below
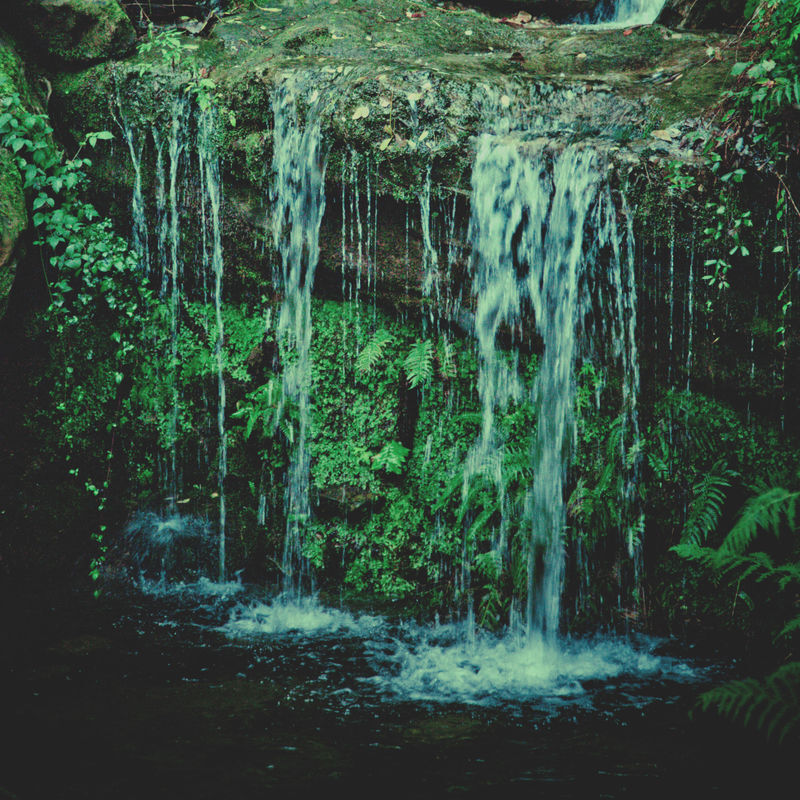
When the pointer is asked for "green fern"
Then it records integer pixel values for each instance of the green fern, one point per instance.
(772, 704)
(708, 498)
(419, 363)
(373, 351)
(391, 458)
(772, 510)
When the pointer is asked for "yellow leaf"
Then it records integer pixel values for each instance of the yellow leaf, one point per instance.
(385, 143)
(361, 112)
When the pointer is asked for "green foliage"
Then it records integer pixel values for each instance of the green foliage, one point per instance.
(772, 704)
(770, 79)
(773, 510)
(391, 458)
(708, 498)
(92, 279)
(373, 351)
(418, 363)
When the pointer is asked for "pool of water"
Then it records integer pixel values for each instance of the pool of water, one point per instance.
(205, 691)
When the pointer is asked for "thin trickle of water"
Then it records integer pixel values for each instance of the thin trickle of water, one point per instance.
(135, 141)
(212, 189)
(297, 202)
(430, 258)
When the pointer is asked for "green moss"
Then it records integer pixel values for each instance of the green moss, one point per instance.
(13, 221)
(77, 31)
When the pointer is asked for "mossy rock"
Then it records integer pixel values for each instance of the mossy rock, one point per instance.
(75, 31)
(13, 222)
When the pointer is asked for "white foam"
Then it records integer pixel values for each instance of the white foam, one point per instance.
(487, 669)
(304, 615)
(201, 588)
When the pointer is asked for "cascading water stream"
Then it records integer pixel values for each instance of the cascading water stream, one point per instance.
(624, 13)
(544, 228)
(297, 205)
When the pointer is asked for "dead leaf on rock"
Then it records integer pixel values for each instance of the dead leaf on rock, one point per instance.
(627, 32)
(415, 14)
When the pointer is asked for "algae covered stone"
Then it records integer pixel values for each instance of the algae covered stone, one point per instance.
(76, 31)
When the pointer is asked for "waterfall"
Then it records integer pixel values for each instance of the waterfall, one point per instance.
(164, 254)
(624, 13)
(546, 241)
(297, 204)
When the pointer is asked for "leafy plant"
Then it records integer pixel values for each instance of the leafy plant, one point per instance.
(418, 363)
(771, 704)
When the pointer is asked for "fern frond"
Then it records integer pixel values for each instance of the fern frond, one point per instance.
(767, 511)
(391, 458)
(447, 361)
(419, 363)
(790, 627)
(773, 703)
(708, 498)
(373, 351)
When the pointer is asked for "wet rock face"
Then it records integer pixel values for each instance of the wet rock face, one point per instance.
(76, 31)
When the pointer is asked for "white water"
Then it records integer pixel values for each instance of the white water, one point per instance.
(546, 239)
(626, 13)
(297, 205)
(301, 615)
(451, 664)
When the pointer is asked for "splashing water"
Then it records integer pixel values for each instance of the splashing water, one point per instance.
(447, 664)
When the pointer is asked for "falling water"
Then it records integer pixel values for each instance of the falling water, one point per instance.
(543, 227)
(623, 13)
(211, 184)
(297, 202)
(169, 249)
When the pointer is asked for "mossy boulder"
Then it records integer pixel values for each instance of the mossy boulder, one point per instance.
(75, 31)
(13, 222)
(13, 209)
